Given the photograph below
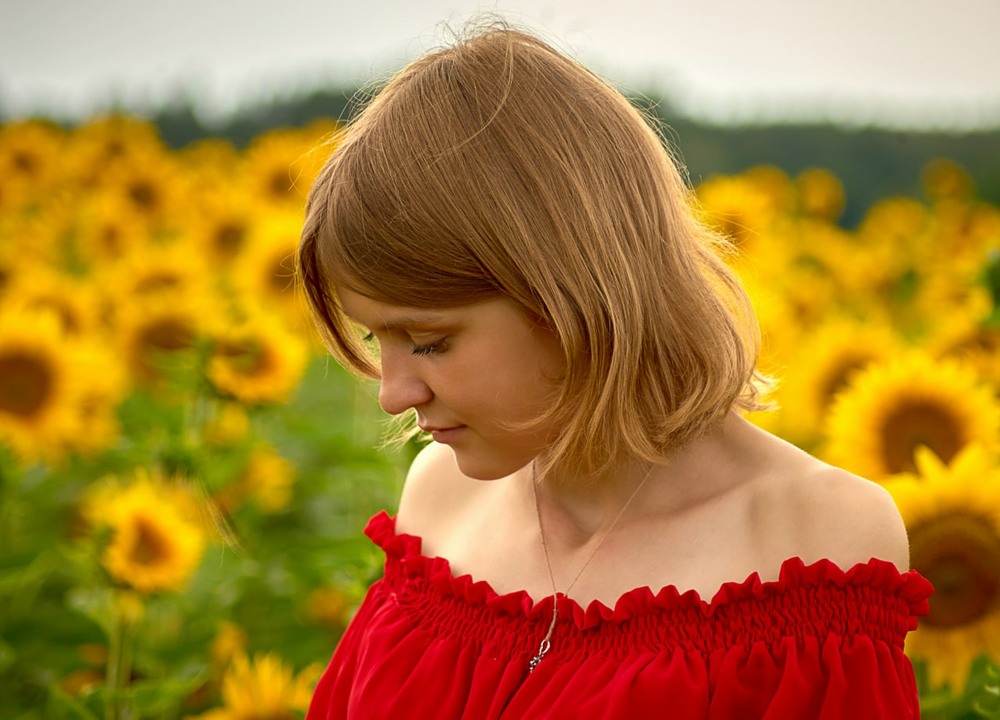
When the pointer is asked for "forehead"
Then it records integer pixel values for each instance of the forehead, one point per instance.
(376, 314)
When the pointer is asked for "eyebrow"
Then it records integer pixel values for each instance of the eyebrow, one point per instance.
(409, 321)
(403, 322)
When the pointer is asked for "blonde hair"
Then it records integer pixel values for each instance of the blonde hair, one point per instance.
(500, 167)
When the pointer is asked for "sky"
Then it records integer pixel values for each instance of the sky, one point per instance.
(894, 63)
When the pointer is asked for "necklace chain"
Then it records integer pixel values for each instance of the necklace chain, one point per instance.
(546, 643)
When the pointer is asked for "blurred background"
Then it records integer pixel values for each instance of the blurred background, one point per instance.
(185, 475)
(869, 90)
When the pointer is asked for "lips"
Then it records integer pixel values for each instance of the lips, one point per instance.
(442, 434)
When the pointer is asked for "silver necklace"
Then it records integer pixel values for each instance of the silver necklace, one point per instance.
(546, 644)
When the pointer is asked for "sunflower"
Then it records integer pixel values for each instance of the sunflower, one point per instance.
(37, 238)
(328, 607)
(10, 266)
(780, 330)
(157, 535)
(804, 260)
(151, 184)
(823, 363)
(257, 362)
(945, 179)
(775, 183)
(230, 641)
(230, 424)
(158, 334)
(220, 228)
(966, 235)
(104, 142)
(945, 292)
(29, 159)
(894, 238)
(890, 409)
(952, 515)
(968, 334)
(97, 408)
(280, 165)
(211, 163)
(72, 301)
(263, 688)
(821, 194)
(895, 221)
(39, 385)
(737, 207)
(265, 273)
(107, 229)
(267, 481)
(157, 271)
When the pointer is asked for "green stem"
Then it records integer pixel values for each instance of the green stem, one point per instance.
(119, 665)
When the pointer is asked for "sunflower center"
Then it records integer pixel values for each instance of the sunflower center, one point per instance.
(280, 184)
(247, 358)
(170, 334)
(157, 281)
(836, 379)
(151, 546)
(229, 238)
(26, 163)
(281, 276)
(114, 148)
(960, 555)
(143, 194)
(110, 239)
(68, 317)
(919, 423)
(25, 384)
(982, 339)
(165, 335)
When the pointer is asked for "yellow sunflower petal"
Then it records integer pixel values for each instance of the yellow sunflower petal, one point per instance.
(258, 361)
(889, 410)
(737, 207)
(953, 520)
(155, 544)
(40, 388)
(821, 367)
(265, 687)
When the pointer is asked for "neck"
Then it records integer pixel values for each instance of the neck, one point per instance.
(576, 512)
(579, 512)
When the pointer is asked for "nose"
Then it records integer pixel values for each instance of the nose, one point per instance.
(401, 387)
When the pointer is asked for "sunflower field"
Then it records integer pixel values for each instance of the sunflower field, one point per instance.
(184, 475)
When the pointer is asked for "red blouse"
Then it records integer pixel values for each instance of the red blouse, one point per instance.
(817, 643)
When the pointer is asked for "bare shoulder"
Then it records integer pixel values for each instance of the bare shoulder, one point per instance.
(807, 508)
(434, 488)
(845, 518)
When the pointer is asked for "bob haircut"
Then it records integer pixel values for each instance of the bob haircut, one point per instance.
(499, 167)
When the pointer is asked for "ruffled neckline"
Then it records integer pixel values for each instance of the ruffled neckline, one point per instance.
(406, 552)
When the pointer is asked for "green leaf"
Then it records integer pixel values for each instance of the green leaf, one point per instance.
(94, 603)
(63, 706)
(161, 696)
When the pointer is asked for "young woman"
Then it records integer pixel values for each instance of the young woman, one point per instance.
(595, 532)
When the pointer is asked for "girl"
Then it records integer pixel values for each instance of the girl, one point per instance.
(595, 532)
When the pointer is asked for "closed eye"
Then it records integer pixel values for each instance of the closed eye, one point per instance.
(433, 348)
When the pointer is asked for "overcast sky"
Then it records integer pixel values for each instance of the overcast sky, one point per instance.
(896, 62)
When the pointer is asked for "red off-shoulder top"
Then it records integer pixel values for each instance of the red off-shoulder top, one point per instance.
(820, 642)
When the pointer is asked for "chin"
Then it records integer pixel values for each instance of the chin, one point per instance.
(478, 467)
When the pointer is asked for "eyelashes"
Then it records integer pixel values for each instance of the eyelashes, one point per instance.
(433, 348)
(430, 348)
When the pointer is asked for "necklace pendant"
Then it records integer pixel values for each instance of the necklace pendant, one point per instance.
(543, 649)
